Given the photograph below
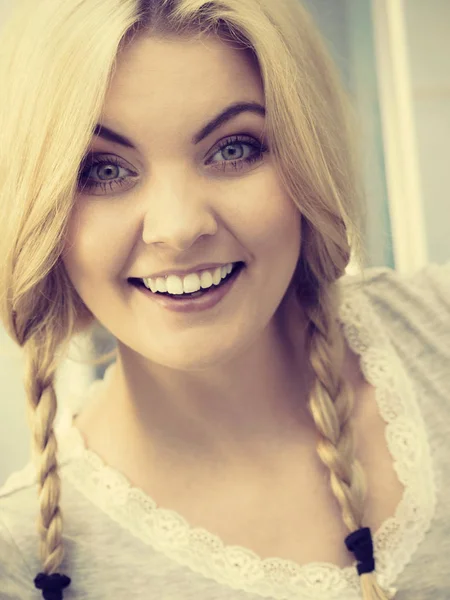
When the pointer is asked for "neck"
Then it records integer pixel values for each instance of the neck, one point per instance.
(247, 407)
(244, 412)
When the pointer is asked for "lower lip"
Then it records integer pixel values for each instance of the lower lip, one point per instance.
(209, 300)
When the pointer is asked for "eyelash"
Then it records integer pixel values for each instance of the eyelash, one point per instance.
(235, 140)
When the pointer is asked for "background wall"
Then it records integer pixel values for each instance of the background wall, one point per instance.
(348, 30)
(428, 44)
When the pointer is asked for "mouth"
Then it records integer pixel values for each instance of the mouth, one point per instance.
(202, 292)
(201, 302)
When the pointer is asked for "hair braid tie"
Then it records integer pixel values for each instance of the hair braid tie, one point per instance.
(360, 543)
(51, 585)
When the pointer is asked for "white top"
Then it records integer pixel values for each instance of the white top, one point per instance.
(119, 544)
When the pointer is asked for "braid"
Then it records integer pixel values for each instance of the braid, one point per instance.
(331, 403)
(42, 404)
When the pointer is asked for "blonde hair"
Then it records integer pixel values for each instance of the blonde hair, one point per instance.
(56, 64)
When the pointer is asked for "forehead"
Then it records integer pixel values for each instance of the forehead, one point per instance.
(155, 74)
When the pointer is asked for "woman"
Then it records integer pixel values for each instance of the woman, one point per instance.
(226, 431)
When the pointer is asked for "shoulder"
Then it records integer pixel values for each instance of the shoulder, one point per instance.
(403, 319)
(438, 276)
(417, 301)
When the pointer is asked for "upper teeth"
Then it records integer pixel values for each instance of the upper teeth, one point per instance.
(190, 283)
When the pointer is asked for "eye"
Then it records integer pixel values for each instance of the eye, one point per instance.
(99, 162)
(238, 158)
(242, 152)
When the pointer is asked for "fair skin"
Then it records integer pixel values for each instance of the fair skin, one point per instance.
(206, 411)
(221, 383)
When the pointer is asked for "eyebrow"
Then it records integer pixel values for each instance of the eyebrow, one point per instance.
(223, 117)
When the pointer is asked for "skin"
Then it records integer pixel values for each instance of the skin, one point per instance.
(224, 387)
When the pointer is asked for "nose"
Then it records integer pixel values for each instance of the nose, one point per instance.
(176, 215)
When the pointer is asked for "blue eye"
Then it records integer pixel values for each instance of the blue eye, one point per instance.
(238, 143)
(86, 182)
(258, 149)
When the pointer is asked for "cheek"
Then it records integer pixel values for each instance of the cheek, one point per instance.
(265, 216)
(93, 248)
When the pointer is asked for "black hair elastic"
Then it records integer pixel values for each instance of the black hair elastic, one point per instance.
(360, 543)
(51, 585)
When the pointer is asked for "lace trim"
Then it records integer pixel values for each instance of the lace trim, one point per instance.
(240, 568)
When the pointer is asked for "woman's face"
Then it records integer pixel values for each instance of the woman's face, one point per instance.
(170, 203)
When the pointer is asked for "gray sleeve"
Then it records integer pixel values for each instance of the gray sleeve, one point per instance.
(16, 580)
